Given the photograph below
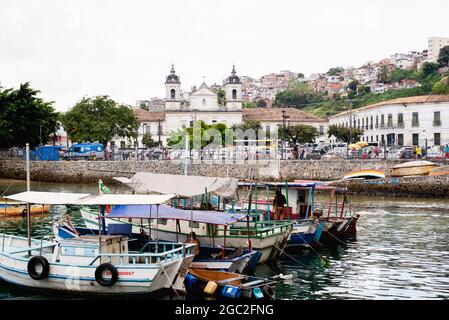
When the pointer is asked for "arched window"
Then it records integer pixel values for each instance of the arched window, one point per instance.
(173, 94)
(234, 94)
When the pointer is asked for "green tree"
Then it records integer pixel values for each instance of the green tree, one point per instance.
(443, 57)
(177, 138)
(300, 133)
(297, 94)
(343, 133)
(335, 71)
(384, 75)
(441, 87)
(99, 119)
(148, 141)
(429, 68)
(25, 118)
(261, 103)
(221, 97)
(249, 104)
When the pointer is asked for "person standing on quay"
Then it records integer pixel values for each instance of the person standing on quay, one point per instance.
(279, 204)
(418, 152)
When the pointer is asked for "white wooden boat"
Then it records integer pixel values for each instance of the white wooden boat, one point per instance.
(91, 264)
(413, 168)
(364, 174)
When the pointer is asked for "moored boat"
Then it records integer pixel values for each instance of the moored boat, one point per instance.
(200, 283)
(413, 168)
(439, 171)
(364, 174)
(17, 209)
(100, 264)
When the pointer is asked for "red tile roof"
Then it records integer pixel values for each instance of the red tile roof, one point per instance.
(144, 115)
(406, 100)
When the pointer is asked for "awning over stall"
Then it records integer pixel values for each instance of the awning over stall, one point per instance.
(167, 212)
(183, 186)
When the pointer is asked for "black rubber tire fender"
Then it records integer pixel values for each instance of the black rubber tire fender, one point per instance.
(99, 274)
(31, 268)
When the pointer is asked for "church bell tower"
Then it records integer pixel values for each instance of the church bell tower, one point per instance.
(172, 91)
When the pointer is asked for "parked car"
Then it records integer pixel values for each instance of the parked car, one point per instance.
(407, 152)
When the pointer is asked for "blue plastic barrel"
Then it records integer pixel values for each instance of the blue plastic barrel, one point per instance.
(191, 281)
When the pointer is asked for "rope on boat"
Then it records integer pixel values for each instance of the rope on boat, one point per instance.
(171, 284)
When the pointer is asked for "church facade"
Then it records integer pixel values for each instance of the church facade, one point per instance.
(201, 104)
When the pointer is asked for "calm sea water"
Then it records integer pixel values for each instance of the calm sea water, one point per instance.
(401, 251)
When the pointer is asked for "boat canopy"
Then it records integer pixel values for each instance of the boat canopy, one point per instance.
(86, 199)
(168, 212)
(295, 184)
(182, 186)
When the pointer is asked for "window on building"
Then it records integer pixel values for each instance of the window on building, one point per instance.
(366, 123)
(377, 122)
(358, 123)
(191, 123)
(415, 119)
(400, 119)
(437, 139)
(382, 121)
(400, 139)
(371, 126)
(415, 139)
(390, 120)
(321, 130)
(372, 138)
(377, 138)
(363, 123)
(382, 139)
(173, 94)
(234, 94)
(122, 144)
(436, 118)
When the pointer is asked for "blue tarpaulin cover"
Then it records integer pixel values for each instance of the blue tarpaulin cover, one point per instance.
(167, 212)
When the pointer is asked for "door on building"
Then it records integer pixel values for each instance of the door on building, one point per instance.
(400, 139)
(415, 139)
(390, 139)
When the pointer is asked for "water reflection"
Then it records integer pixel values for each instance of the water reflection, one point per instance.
(401, 250)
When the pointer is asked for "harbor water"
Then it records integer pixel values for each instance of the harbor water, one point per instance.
(401, 250)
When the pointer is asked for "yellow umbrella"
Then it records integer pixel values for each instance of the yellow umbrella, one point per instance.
(352, 146)
(362, 143)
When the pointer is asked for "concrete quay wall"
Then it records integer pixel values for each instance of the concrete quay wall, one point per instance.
(262, 170)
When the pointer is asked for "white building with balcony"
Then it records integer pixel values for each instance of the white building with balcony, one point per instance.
(405, 121)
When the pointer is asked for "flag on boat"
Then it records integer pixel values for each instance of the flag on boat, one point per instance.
(103, 189)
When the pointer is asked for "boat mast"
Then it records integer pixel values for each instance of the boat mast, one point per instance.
(27, 152)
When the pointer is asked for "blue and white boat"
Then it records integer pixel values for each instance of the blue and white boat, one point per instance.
(96, 264)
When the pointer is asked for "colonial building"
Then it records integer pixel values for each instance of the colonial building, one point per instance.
(405, 121)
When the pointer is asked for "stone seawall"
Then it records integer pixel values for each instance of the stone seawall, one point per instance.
(263, 170)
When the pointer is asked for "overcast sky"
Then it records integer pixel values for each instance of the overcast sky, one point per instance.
(70, 49)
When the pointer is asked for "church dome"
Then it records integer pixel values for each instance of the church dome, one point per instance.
(233, 78)
(172, 77)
